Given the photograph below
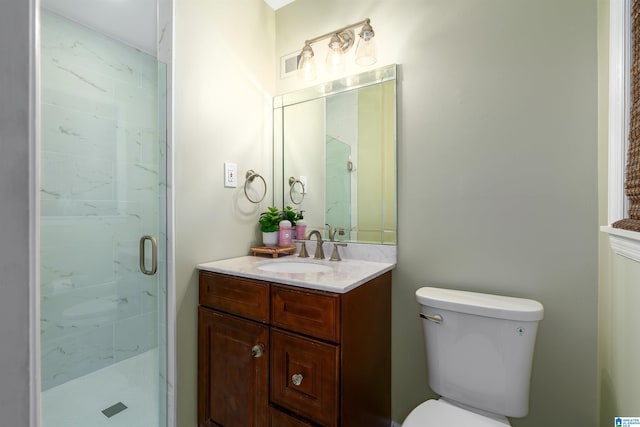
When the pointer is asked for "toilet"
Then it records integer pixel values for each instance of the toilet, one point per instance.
(479, 354)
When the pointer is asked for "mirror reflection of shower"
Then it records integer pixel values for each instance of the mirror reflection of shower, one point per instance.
(103, 187)
(344, 143)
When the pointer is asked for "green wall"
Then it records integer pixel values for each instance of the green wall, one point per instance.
(223, 112)
(497, 166)
(619, 340)
(619, 289)
(497, 172)
(377, 152)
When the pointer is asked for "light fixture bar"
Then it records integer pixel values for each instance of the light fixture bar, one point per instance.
(338, 31)
(342, 40)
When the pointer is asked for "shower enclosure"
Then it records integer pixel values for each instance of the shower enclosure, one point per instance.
(103, 215)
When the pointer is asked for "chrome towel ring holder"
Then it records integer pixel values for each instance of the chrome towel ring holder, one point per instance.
(292, 183)
(250, 176)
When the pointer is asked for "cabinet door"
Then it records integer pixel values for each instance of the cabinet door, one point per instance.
(233, 364)
(304, 376)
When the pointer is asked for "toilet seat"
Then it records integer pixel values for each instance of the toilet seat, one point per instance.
(440, 413)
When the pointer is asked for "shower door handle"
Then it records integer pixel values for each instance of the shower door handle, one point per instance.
(154, 255)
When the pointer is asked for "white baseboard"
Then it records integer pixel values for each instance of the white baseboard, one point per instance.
(395, 424)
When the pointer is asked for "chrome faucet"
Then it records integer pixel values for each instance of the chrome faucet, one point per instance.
(333, 231)
(319, 252)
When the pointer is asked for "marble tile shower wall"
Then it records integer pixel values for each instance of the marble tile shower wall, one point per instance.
(99, 194)
(342, 147)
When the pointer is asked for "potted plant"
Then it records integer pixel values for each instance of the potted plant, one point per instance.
(269, 223)
(291, 215)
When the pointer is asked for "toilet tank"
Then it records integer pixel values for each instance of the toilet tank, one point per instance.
(480, 348)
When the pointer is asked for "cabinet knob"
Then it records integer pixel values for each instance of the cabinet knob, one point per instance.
(296, 379)
(257, 350)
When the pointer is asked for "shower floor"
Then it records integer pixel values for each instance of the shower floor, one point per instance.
(79, 402)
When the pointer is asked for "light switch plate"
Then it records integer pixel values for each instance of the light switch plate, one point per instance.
(230, 174)
(305, 183)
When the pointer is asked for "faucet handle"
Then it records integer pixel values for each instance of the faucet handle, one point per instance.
(335, 255)
(303, 249)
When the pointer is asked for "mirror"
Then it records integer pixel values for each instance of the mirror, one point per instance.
(335, 156)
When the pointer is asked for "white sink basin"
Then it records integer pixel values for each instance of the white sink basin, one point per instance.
(294, 267)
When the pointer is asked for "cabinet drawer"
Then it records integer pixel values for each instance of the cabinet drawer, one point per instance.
(308, 312)
(243, 297)
(282, 419)
(304, 376)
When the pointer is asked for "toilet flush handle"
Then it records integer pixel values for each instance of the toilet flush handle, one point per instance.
(436, 318)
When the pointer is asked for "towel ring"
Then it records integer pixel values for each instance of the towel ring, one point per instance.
(250, 176)
(292, 184)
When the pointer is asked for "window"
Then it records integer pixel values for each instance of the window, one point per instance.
(623, 242)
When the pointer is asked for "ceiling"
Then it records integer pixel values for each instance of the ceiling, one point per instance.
(277, 4)
(130, 21)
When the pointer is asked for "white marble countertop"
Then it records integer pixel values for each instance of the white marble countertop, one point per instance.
(344, 275)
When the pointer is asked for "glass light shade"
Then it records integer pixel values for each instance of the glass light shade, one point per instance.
(366, 52)
(335, 56)
(307, 66)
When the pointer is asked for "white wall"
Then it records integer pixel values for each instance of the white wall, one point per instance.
(14, 213)
(497, 173)
(224, 76)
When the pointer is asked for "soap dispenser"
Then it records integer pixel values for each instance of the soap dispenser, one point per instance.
(284, 237)
(301, 227)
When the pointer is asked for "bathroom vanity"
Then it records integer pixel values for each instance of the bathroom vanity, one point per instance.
(284, 349)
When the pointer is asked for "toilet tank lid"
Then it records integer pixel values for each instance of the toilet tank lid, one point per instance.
(497, 306)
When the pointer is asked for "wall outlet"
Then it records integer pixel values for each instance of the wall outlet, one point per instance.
(230, 174)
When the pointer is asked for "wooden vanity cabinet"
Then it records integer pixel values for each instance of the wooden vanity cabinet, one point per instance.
(326, 359)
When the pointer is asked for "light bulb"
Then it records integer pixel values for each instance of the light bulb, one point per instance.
(335, 56)
(307, 65)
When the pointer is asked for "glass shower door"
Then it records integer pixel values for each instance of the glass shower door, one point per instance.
(338, 185)
(103, 225)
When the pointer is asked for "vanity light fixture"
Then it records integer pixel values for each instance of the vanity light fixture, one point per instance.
(341, 41)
